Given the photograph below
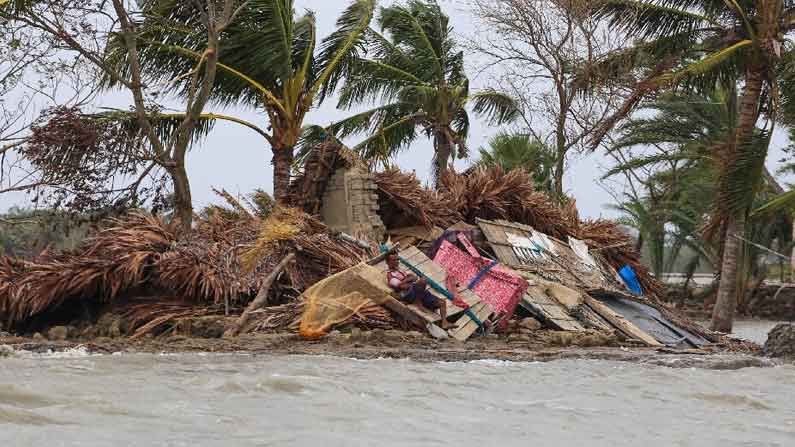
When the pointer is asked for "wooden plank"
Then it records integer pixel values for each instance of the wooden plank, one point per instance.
(569, 298)
(592, 319)
(468, 326)
(620, 322)
(550, 311)
(438, 274)
(411, 314)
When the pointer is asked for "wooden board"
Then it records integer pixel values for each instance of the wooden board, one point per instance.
(467, 326)
(549, 310)
(564, 266)
(620, 322)
(537, 301)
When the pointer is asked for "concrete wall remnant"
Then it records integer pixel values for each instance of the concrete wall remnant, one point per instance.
(350, 204)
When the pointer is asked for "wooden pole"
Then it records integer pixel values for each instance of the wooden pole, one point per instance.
(261, 298)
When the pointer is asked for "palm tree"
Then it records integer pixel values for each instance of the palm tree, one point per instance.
(414, 71)
(521, 151)
(683, 177)
(271, 60)
(698, 44)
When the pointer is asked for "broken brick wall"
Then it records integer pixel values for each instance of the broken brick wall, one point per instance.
(350, 205)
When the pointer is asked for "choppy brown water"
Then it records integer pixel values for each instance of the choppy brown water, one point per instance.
(237, 400)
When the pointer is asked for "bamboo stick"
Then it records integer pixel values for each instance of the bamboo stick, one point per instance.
(262, 297)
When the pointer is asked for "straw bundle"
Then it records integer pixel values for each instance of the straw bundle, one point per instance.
(404, 202)
(490, 193)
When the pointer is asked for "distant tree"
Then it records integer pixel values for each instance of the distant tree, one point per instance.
(26, 233)
(33, 74)
(414, 72)
(517, 151)
(535, 49)
(672, 159)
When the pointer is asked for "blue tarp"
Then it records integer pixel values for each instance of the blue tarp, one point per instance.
(631, 280)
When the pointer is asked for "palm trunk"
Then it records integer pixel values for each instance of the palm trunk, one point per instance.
(792, 259)
(723, 313)
(444, 149)
(726, 302)
(282, 166)
(183, 203)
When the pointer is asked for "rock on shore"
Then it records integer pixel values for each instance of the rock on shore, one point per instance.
(781, 341)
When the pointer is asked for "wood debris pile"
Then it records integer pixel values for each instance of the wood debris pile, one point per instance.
(154, 276)
(490, 193)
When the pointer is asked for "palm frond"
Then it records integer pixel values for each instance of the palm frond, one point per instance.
(652, 20)
(498, 108)
(724, 59)
(389, 139)
(372, 80)
(342, 47)
(418, 27)
(785, 201)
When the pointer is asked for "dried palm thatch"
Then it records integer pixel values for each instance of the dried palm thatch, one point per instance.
(203, 267)
(373, 316)
(279, 318)
(282, 225)
(404, 202)
(118, 258)
(155, 316)
(490, 193)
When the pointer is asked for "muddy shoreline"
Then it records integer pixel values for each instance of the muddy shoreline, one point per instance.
(404, 345)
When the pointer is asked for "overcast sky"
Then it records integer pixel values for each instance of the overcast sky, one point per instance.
(238, 159)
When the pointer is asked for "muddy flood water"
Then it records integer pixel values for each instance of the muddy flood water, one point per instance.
(75, 399)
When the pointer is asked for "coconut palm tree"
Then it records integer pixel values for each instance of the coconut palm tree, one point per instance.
(697, 44)
(683, 174)
(414, 72)
(521, 151)
(271, 60)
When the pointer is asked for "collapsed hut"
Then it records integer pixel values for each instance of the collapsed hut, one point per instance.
(488, 240)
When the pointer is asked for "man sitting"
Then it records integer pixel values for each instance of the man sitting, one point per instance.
(414, 290)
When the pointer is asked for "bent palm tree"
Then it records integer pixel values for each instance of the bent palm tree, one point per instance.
(698, 44)
(417, 70)
(272, 61)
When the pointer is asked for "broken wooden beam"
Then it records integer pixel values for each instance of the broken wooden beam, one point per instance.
(261, 298)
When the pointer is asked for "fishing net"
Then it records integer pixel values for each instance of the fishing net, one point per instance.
(338, 298)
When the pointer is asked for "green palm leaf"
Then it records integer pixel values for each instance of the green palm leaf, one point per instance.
(341, 48)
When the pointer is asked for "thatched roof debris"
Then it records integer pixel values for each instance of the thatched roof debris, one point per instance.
(221, 264)
(203, 267)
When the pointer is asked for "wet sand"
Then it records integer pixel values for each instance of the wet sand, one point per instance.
(543, 346)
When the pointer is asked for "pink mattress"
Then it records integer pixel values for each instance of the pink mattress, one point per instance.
(496, 285)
